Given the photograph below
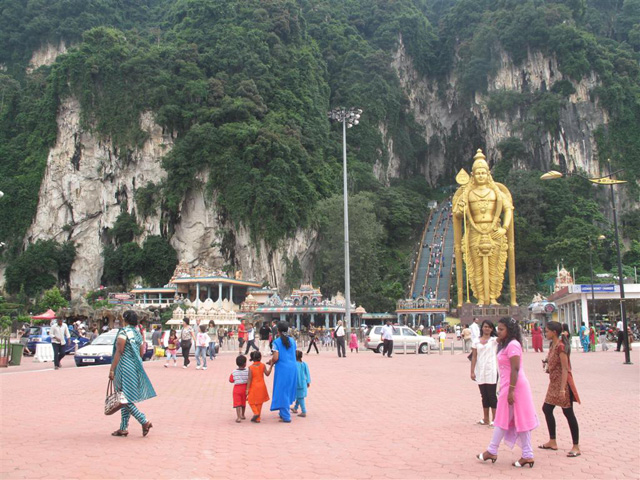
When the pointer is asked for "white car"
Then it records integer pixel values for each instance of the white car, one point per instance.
(402, 335)
(100, 350)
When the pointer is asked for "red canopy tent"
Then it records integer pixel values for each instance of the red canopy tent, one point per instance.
(48, 315)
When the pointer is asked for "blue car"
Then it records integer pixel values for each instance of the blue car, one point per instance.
(100, 350)
(40, 334)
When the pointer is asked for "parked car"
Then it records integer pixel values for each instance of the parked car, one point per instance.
(99, 352)
(402, 336)
(42, 334)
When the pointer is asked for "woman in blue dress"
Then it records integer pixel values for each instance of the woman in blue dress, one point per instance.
(128, 375)
(285, 380)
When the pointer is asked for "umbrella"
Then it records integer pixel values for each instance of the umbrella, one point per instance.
(48, 315)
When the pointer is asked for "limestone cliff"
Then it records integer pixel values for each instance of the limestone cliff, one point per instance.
(87, 184)
(454, 128)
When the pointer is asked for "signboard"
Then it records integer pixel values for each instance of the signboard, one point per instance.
(605, 287)
(122, 298)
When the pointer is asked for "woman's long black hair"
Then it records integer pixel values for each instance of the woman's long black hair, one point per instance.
(283, 328)
(513, 331)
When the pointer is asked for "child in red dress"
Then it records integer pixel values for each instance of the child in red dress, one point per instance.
(239, 378)
(256, 388)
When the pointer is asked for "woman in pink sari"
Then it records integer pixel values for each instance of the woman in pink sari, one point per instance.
(516, 414)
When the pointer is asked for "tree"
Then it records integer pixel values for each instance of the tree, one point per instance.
(52, 299)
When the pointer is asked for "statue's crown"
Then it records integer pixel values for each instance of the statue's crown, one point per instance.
(479, 160)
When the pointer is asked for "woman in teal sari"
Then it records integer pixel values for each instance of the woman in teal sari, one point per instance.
(285, 380)
(128, 375)
(584, 337)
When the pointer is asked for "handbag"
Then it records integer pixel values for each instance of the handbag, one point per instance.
(114, 401)
(159, 352)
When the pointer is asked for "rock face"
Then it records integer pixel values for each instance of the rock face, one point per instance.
(87, 185)
(454, 129)
(46, 55)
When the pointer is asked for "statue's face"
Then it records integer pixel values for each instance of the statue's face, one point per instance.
(481, 175)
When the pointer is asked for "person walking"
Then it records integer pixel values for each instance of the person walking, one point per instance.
(353, 342)
(620, 333)
(59, 337)
(212, 333)
(242, 336)
(155, 341)
(187, 338)
(484, 370)
(264, 333)
(240, 377)
(466, 338)
(256, 387)
(202, 341)
(475, 333)
(562, 391)
(304, 382)
(339, 335)
(285, 378)
(593, 339)
(128, 374)
(515, 414)
(584, 337)
(603, 338)
(387, 340)
(251, 339)
(172, 348)
(274, 334)
(312, 339)
(222, 333)
(536, 338)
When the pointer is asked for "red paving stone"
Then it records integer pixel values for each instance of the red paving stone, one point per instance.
(411, 416)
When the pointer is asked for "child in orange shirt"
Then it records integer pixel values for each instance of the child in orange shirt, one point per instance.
(256, 388)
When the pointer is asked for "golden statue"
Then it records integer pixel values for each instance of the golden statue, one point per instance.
(483, 234)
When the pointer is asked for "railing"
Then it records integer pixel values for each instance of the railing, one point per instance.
(140, 302)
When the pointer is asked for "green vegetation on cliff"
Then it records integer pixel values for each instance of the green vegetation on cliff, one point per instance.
(245, 86)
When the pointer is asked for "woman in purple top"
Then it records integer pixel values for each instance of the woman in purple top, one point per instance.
(516, 414)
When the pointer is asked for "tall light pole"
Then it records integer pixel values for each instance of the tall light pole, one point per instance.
(608, 180)
(593, 295)
(349, 118)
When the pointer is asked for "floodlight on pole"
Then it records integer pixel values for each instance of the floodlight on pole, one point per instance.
(348, 117)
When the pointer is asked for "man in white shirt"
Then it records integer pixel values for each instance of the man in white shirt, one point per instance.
(251, 339)
(387, 340)
(339, 334)
(59, 336)
(620, 329)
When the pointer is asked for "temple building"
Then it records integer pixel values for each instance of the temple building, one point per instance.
(305, 306)
(422, 311)
(196, 285)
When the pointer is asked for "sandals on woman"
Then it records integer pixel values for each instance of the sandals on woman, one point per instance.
(120, 433)
(482, 457)
(145, 428)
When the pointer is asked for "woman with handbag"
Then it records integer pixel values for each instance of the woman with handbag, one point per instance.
(128, 375)
(187, 338)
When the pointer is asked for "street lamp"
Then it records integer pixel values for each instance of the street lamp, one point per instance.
(608, 180)
(593, 295)
(349, 118)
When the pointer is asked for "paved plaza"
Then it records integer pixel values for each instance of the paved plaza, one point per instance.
(411, 416)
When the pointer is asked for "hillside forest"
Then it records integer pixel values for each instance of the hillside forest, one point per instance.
(244, 86)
